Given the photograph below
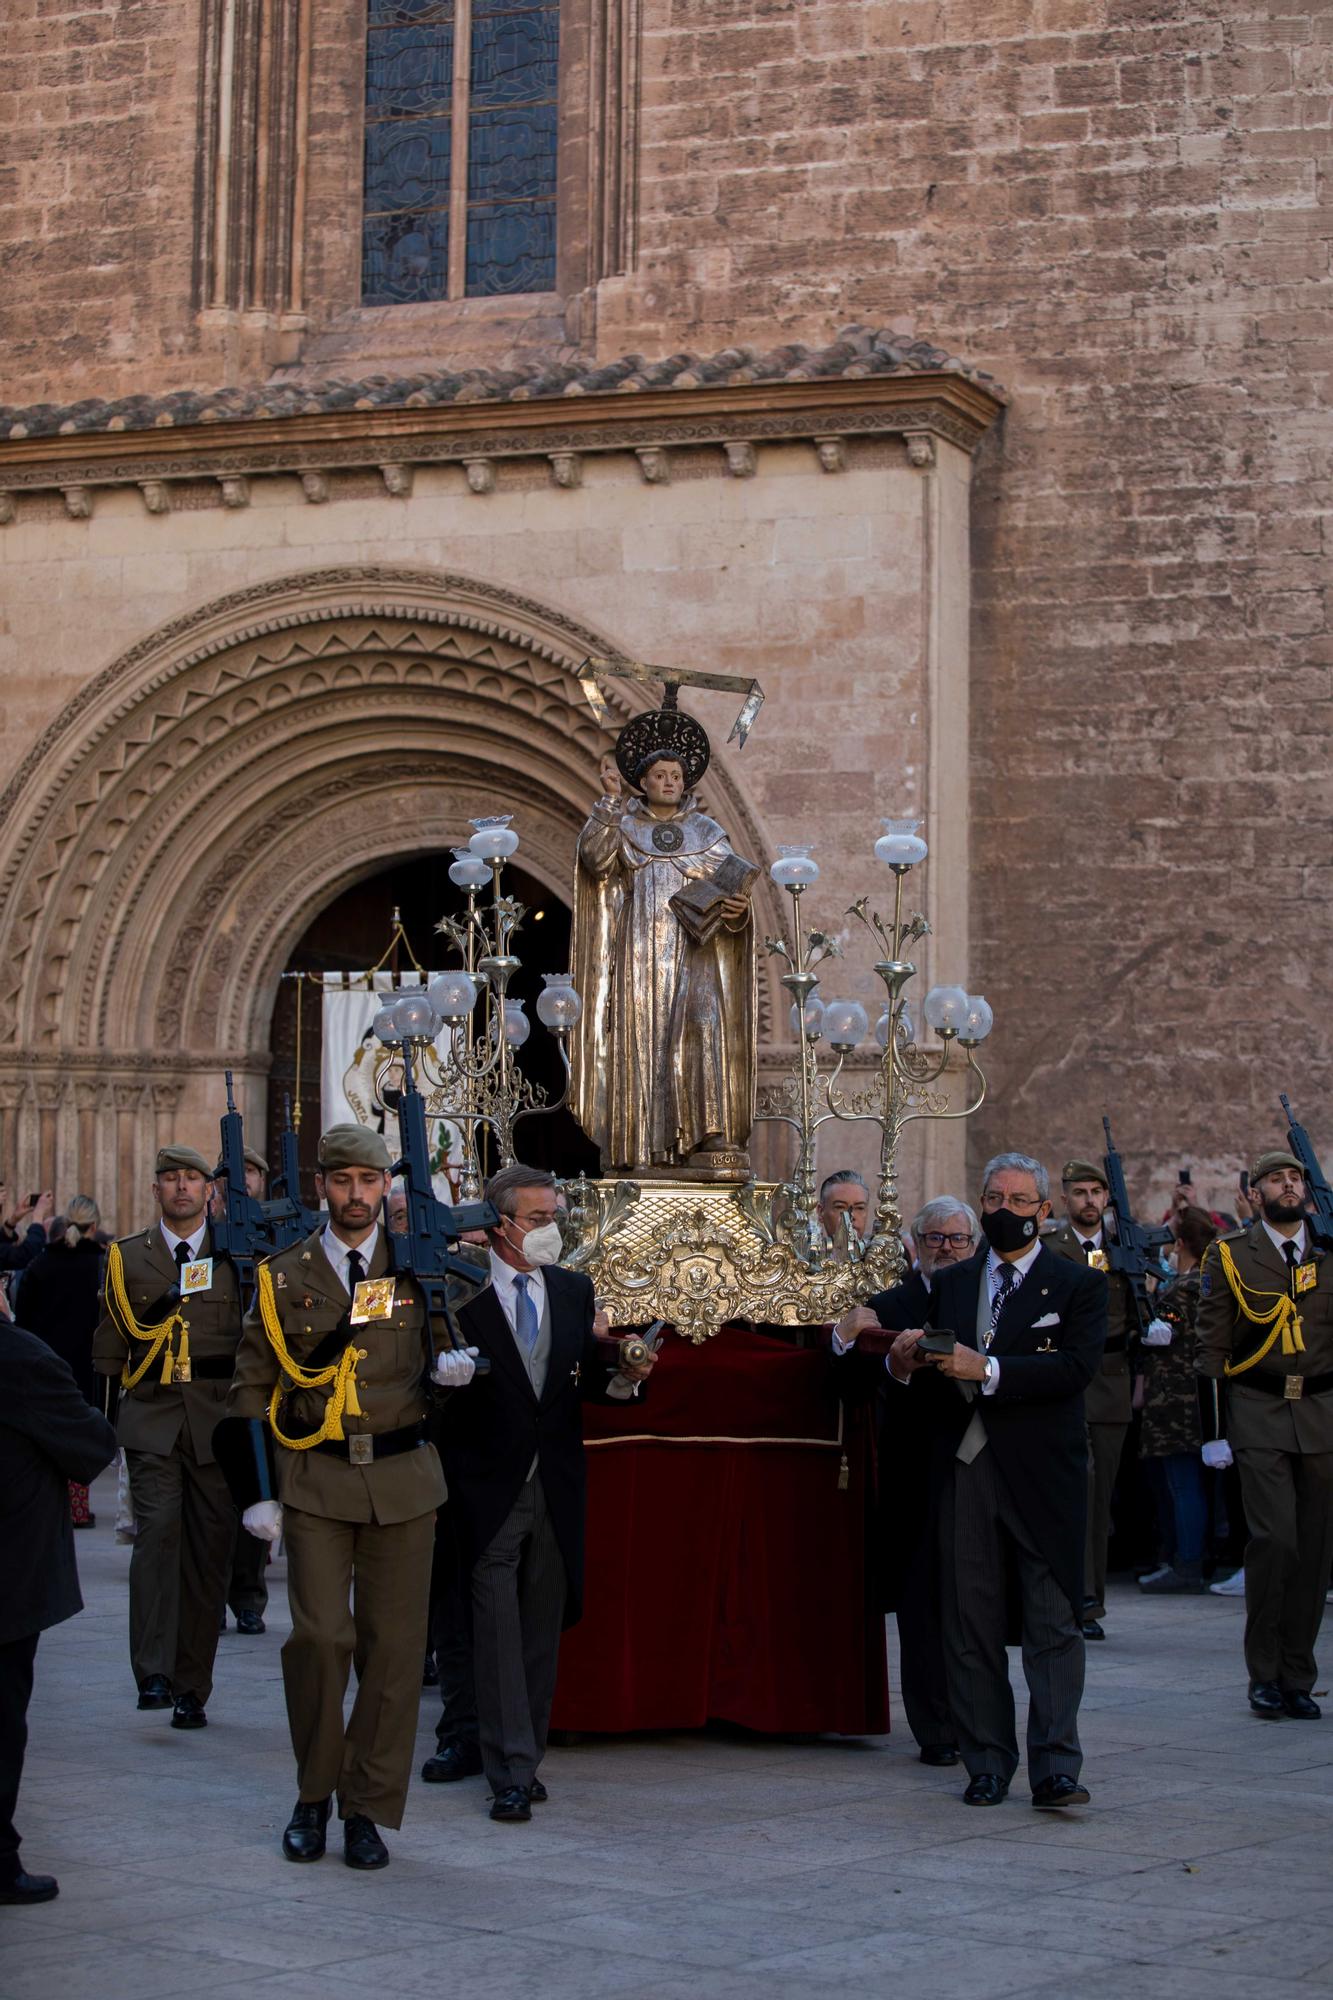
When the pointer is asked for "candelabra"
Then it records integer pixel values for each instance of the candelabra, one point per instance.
(471, 1073)
(904, 1087)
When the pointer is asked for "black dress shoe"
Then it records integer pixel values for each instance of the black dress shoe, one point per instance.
(23, 1888)
(249, 1622)
(513, 1804)
(1092, 1630)
(189, 1713)
(537, 1793)
(362, 1846)
(986, 1790)
(304, 1836)
(454, 1761)
(1300, 1706)
(1268, 1700)
(940, 1753)
(155, 1691)
(1061, 1790)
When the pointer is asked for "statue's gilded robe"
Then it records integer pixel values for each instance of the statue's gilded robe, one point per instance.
(664, 1059)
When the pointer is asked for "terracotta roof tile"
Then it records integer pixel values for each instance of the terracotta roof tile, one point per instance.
(857, 352)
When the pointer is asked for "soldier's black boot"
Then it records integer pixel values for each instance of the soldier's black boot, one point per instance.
(304, 1836)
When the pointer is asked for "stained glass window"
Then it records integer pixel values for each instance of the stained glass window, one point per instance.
(460, 149)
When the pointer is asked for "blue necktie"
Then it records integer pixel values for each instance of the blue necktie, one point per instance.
(525, 1317)
(1006, 1281)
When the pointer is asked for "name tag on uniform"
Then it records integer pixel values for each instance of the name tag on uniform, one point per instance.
(372, 1299)
(1097, 1260)
(196, 1277)
(1307, 1277)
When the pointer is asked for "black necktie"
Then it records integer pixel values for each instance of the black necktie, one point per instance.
(1006, 1280)
(356, 1270)
(1088, 1248)
(1289, 1252)
(182, 1259)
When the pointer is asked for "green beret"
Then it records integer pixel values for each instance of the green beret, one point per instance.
(177, 1158)
(1268, 1163)
(353, 1146)
(254, 1159)
(1082, 1170)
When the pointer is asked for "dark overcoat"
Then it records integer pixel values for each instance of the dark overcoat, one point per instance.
(489, 1437)
(1034, 1421)
(60, 1300)
(48, 1436)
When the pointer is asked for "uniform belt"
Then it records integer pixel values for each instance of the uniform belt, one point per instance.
(1276, 1385)
(219, 1369)
(365, 1447)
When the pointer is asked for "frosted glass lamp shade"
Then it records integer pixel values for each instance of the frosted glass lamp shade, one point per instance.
(558, 1004)
(814, 1019)
(900, 844)
(794, 868)
(386, 1027)
(466, 872)
(494, 838)
(846, 1023)
(978, 1021)
(415, 1018)
(946, 1009)
(453, 995)
(517, 1026)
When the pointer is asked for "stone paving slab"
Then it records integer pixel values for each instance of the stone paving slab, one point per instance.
(679, 1867)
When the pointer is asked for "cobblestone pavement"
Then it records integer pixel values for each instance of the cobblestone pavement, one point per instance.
(685, 1866)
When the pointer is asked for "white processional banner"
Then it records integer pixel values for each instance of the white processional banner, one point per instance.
(351, 1051)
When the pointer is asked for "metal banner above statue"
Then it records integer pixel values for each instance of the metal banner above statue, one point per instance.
(596, 669)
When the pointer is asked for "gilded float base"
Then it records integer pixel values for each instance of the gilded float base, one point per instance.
(698, 1256)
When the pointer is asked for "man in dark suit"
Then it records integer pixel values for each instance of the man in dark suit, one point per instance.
(514, 1463)
(906, 1532)
(48, 1436)
(1011, 1470)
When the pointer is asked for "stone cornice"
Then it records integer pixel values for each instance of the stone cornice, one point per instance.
(392, 440)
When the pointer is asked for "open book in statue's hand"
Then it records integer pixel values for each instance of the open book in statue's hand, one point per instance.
(698, 904)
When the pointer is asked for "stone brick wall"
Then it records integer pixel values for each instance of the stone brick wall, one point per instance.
(1121, 208)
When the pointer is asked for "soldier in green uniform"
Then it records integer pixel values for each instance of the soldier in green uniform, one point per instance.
(334, 1365)
(1107, 1401)
(1265, 1330)
(171, 1322)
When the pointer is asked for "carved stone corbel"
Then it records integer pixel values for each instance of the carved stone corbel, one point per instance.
(566, 469)
(832, 453)
(235, 490)
(315, 486)
(742, 459)
(480, 474)
(653, 464)
(7, 509)
(397, 480)
(156, 495)
(920, 449)
(78, 503)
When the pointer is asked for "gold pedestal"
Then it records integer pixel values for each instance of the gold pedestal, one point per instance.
(699, 1256)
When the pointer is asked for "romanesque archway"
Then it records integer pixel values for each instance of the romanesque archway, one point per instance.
(165, 843)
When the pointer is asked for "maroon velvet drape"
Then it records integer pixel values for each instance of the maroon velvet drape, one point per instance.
(726, 1567)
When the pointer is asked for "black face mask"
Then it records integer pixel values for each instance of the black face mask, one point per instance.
(1005, 1230)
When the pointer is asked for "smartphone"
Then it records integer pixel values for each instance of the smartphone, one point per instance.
(1184, 1177)
(1244, 1180)
(34, 1198)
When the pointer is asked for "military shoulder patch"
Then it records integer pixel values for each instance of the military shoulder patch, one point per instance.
(1205, 1282)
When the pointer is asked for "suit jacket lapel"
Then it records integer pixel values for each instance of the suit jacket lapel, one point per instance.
(319, 1275)
(971, 1277)
(488, 1329)
(566, 1343)
(1272, 1260)
(161, 1259)
(1029, 1302)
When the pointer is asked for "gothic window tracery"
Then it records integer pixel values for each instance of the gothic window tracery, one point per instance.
(460, 154)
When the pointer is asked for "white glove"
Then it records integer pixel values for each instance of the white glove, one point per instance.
(455, 1369)
(1218, 1455)
(263, 1520)
(1158, 1333)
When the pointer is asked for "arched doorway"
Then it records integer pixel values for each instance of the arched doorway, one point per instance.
(352, 933)
(166, 847)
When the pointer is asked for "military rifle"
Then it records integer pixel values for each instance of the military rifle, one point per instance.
(286, 1217)
(1131, 1252)
(1320, 1224)
(423, 1250)
(240, 1233)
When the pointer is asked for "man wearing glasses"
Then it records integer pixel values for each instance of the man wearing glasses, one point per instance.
(944, 1232)
(1010, 1467)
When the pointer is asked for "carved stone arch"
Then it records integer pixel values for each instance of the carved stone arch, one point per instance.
(167, 841)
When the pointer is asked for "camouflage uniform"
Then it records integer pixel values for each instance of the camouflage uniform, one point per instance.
(1171, 1399)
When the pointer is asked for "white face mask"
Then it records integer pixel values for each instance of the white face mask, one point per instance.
(542, 1246)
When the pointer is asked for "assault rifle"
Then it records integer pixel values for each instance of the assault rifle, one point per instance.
(1131, 1252)
(240, 1233)
(286, 1217)
(423, 1250)
(1320, 1224)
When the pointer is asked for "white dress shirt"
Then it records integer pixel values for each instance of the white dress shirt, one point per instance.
(502, 1278)
(1279, 1242)
(338, 1252)
(1020, 1266)
(192, 1243)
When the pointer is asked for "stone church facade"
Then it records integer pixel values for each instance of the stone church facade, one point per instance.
(957, 370)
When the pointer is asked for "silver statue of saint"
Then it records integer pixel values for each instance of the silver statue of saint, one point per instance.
(664, 1066)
